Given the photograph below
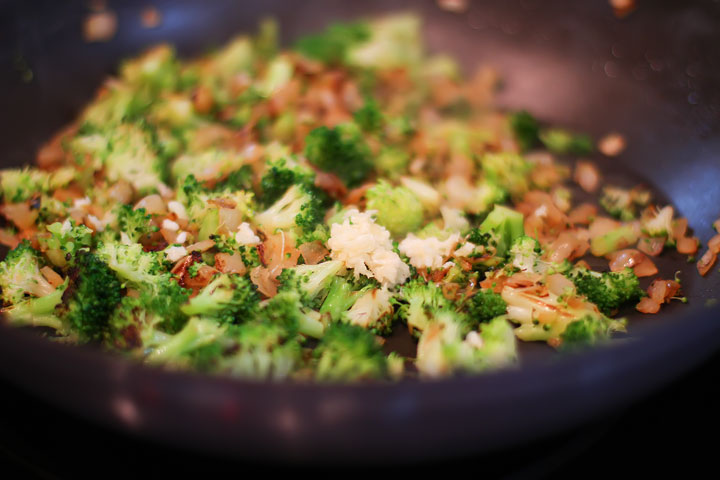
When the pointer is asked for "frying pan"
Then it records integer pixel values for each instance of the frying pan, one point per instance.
(654, 76)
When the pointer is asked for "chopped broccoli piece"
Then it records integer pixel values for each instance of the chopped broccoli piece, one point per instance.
(300, 207)
(287, 308)
(616, 239)
(19, 185)
(39, 312)
(609, 290)
(526, 129)
(20, 275)
(175, 349)
(97, 292)
(588, 331)
(131, 263)
(484, 306)
(332, 45)
(392, 162)
(369, 117)
(524, 253)
(618, 203)
(348, 353)
(65, 241)
(398, 208)
(230, 299)
(134, 222)
(393, 42)
(507, 170)
(311, 281)
(561, 141)
(340, 150)
(343, 293)
(280, 176)
(505, 225)
(420, 302)
(373, 310)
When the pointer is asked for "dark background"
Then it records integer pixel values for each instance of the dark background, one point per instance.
(672, 430)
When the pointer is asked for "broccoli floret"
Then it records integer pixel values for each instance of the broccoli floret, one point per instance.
(311, 281)
(369, 117)
(97, 292)
(288, 309)
(588, 331)
(484, 306)
(526, 129)
(608, 290)
(39, 312)
(331, 46)
(20, 275)
(343, 293)
(65, 241)
(373, 310)
(394, 42)
(263, 351)
(156, 70)
(240, 179)
(505, 225)
(267, 39)
(524, 254)
(398, 208)
(618, 203)
(561, 141)
(392, 162)
(348, 353)
(420, 302)
(485, 195)
(280, 176)
(144, 270)
(446, 346)
(176, 349)
(220, 162)
(300, 208)
(230, 299)
(507, 170)
(19, 185)
(134, 222)
(340, 150)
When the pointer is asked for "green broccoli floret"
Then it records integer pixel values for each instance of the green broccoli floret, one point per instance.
(588, 331)
(263, 351)
(19, 185)
(343, 292)
(525, 253)
(486, 194)
(525, 128)
(311, 281)
(392, 162)
(608, 290)
(167, 302)
(228, 298)
(156, 70)
(484, 306)
(134, 222)
(369, 117)
(287, 308)
(300, 208)
(348, 353)
(175, 350)
(505, 225)
(97, 292)
(447, 346)
(20, 275)
(420, 302)
(394, 42)
(340, 150)
(372, 310)
(332, 45)
(618, 203)
(144, 270)
(398, 208)
(561, 141)
(280, 176)
(65, 241)
(507, 170)
(39, 312)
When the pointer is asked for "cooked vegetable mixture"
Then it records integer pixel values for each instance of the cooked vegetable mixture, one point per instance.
(278, 214)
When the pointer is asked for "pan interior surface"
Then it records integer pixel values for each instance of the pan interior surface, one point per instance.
(569, 64)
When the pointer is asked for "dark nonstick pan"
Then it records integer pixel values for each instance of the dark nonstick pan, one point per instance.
(654, 76)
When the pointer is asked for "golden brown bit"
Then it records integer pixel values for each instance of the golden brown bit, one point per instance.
(99, 27)
(150, 17)
(587, 176)
(622, 8)
(612, 144)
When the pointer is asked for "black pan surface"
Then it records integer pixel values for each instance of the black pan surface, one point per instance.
(654, 76)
